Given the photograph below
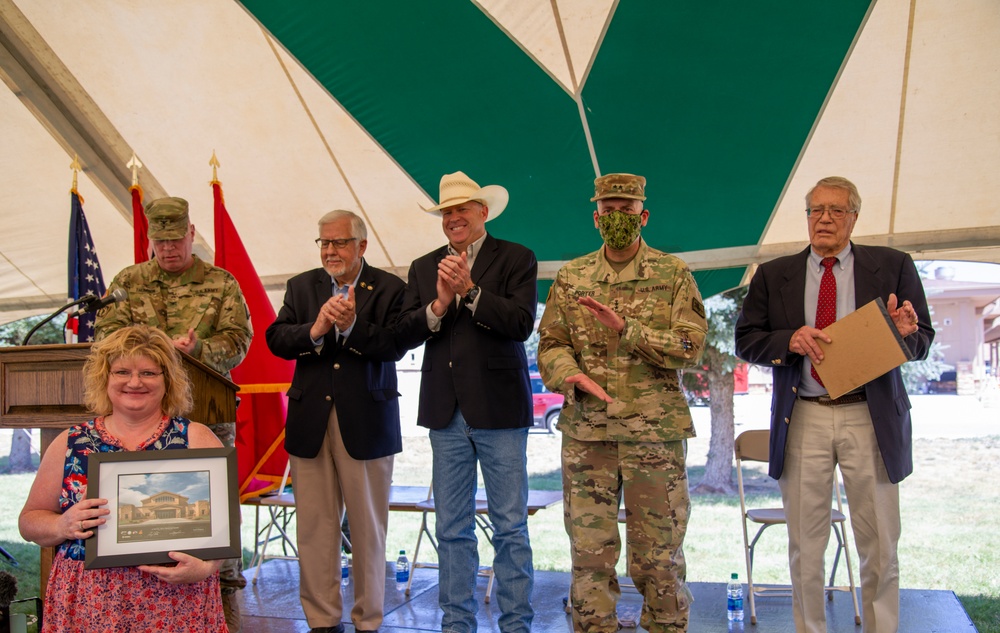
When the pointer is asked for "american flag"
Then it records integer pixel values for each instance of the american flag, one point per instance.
(84, 270)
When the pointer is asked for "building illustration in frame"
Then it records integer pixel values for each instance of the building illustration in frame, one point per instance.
(164, 506)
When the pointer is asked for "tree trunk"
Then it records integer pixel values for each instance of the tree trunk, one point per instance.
(20, 452)
(718, 476)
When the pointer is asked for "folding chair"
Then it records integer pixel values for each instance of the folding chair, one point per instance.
(753, 446)
(281, 511)
(482, 521)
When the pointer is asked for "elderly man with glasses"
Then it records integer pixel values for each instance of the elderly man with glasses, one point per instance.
(867, 432)
(342, 431)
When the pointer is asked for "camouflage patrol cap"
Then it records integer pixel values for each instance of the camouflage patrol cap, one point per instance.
(619, 186)
(168, 218)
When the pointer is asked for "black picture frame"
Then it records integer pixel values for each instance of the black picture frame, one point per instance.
(208, 528)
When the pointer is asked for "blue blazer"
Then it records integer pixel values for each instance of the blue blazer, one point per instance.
(475, 361)
(357, 375)
(775, 308)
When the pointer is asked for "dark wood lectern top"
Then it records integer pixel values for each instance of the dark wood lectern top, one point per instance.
(41, 386)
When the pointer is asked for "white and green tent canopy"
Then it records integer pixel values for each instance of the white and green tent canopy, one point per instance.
(731, 110)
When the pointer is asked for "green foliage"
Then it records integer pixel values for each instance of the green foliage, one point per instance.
(721, 311)
(11, 334)
(916, 373)
(531, 345)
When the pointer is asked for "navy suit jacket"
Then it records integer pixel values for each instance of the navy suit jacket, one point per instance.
(475, 361)
(775, 308)
(357, 375)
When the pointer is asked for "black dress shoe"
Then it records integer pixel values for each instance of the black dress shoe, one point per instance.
(328, 629)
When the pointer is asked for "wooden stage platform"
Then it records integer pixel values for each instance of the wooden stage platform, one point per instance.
(272, 606)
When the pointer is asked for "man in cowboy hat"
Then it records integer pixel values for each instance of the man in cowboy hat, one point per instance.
(618, 324)
(201, 307)
(472, 304)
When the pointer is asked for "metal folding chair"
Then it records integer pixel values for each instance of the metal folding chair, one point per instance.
(753, 446)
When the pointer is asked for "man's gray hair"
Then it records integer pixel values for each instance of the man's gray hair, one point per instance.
(837, 182)
(358, 228)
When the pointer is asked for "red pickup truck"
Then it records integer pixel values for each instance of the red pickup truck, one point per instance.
(547, 405)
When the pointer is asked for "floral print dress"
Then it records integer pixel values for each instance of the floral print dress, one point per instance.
(121, 599)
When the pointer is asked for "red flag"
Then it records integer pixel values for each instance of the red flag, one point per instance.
(140, 226)
(263, 378)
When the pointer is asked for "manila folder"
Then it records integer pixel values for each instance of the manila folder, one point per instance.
(865, 345)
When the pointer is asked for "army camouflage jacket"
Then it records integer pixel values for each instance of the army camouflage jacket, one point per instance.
(203, 297)
(664, 331)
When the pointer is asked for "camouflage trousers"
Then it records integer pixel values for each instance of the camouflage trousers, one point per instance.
(652, 479)
(231, 577)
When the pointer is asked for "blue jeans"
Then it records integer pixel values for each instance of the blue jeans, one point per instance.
(501, 455)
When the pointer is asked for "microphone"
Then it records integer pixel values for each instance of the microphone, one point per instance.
(93, 303)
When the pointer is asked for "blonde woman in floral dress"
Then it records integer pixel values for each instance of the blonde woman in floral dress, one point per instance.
(135, 384)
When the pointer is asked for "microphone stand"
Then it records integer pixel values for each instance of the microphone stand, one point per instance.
(10, 559)
(85, 299)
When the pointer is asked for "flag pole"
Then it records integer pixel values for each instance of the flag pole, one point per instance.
(75, 166)
(215, 164)
(135, 166)
(140, 227)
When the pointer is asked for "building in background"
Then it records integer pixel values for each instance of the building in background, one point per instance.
(967, 319)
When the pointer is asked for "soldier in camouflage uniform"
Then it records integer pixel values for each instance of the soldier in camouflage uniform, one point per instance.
(618, 324)
(200, 307)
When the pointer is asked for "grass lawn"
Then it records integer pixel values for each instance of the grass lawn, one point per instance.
(949, 511)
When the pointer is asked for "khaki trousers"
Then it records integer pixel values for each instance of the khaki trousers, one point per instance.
(324, 486)
(820, 437)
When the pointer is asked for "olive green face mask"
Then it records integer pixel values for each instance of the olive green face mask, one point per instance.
(619, 229)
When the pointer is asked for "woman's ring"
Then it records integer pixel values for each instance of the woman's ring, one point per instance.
(81, 527)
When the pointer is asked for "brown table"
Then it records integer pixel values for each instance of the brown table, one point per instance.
(281, 508)
(407, 498)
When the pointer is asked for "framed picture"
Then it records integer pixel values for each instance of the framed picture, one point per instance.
(182, 500)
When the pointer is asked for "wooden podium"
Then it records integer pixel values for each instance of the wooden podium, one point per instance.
(41, 386)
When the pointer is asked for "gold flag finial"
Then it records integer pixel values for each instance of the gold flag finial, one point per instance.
(215, 166)
(75, 166)
(135, 166)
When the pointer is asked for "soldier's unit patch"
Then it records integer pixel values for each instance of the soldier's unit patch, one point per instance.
(698, 307)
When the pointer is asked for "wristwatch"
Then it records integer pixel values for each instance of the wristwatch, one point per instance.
(470, 296)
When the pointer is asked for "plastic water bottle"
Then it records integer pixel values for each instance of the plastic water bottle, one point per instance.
(734, 593)
(402, 571)
(345, 569)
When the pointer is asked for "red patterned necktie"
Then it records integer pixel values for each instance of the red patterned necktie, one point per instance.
(826, 306)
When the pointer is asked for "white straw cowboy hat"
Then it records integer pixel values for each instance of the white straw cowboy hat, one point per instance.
(458, 188)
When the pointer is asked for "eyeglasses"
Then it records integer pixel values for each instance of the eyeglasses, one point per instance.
(836, 213)
(338, 244)
(144, 376)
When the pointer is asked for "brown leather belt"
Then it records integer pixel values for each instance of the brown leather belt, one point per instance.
(827, 401)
